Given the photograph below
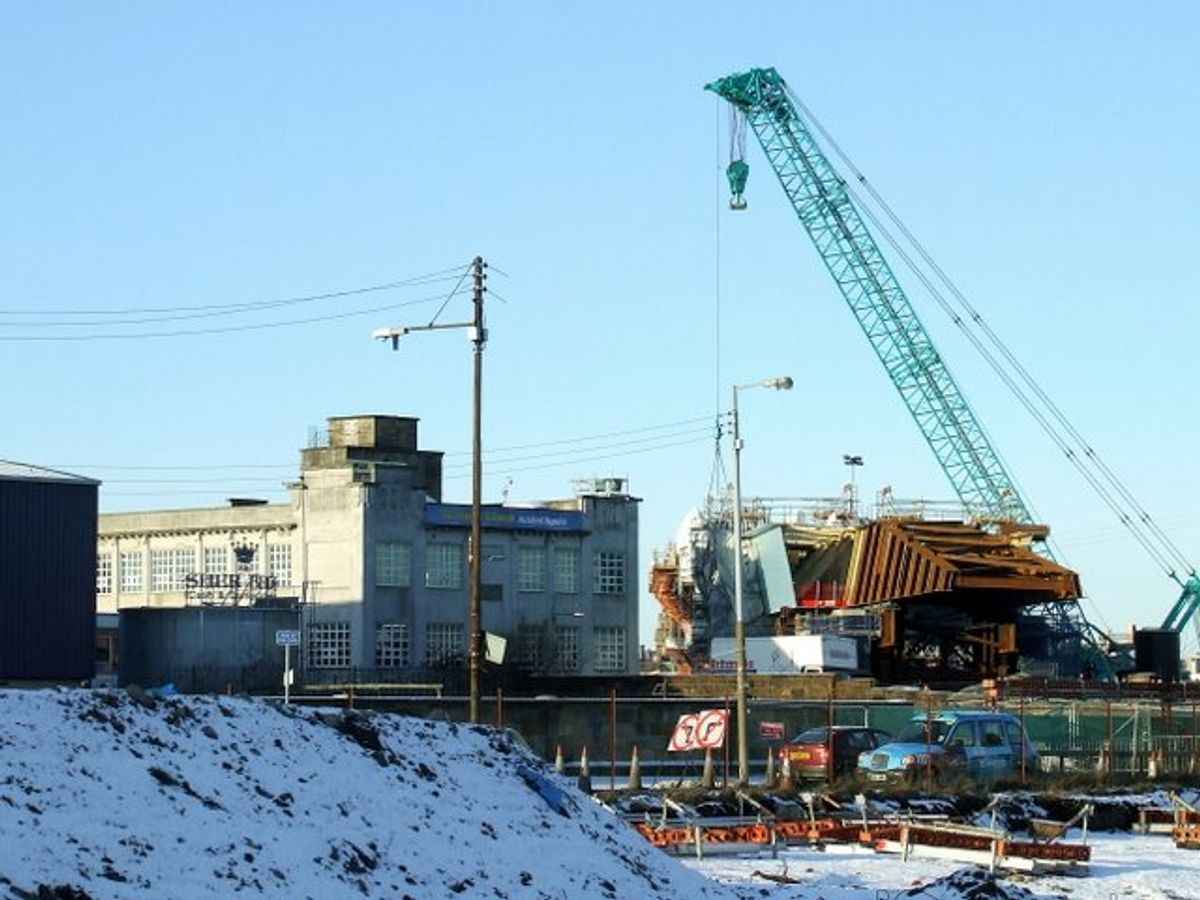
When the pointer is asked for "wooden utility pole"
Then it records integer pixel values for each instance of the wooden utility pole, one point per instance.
(474, 616)
(478, 336)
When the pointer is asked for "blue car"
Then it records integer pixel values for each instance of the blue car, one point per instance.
(982, 745)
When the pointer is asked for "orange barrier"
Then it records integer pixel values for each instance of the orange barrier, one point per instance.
(756, 833)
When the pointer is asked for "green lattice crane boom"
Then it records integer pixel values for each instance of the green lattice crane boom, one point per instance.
(823, 204)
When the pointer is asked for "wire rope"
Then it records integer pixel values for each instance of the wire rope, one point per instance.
(1124, 504)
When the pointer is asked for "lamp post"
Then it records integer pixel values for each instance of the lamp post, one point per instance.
(852, 463)
(782, 383)
(478, 337)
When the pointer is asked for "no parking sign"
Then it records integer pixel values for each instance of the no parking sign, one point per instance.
(704, 730)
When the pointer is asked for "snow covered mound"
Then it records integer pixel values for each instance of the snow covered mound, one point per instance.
(969, 884)
(109, 794)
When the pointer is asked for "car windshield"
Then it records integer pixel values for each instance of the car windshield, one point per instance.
(916, 732)
(812, 736)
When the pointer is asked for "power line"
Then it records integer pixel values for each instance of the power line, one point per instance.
(674, 429)
(494, 472)
(199, 332)
(229, 480)
(688, 433)
(592, 437)
(187, 493)
(211, 467)
(440, 275)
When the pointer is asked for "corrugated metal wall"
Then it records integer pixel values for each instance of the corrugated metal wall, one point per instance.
(47, 580)
(206, 649)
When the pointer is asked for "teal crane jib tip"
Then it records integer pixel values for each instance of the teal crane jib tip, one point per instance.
(742, 89)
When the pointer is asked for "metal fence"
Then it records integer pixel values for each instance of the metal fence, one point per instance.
(1124, 739)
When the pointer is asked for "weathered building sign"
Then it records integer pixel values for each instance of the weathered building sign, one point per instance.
(229, 588)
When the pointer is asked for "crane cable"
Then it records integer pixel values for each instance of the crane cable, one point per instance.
(1140, 518)
(716, 477)
(1046, 425)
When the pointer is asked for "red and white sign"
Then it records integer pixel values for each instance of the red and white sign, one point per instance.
(700, 731)
(770, 731)
(684, 735)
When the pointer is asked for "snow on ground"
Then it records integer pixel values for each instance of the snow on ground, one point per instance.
(107, 794)
(212, 797)
(1128, 867)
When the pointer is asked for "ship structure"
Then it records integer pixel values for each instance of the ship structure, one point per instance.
(929, 594)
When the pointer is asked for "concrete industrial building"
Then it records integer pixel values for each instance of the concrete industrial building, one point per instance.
(375, 566)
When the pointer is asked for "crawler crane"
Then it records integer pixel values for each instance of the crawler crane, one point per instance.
(823, 202)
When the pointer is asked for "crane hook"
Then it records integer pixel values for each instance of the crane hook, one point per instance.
(737, 172)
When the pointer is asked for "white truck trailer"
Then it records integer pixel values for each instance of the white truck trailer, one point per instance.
(789, 654)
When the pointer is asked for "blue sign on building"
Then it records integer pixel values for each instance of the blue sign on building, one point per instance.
(504, 518)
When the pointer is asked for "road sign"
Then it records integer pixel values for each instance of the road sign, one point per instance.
(770, 731)
(684, 736)
(704, 730)
(711, 728)
(287, 638)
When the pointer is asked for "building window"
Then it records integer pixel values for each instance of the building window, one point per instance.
(391, 646)
(531, 568)
(610, 649)
(608, 573)
(132, 579)
(104, 573)
(566, 570)
(566, 649)
(444, 565)
(279, 563)
(216, 560)
(169, 567)
(393, 564)
(329, 645)
(443, 643)
(531, 647)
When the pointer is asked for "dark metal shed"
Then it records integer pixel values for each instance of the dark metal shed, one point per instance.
(47, 574)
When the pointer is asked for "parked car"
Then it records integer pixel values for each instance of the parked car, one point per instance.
(979, 744)
(808, 752)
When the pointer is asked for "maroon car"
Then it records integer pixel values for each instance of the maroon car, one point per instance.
(808, 752)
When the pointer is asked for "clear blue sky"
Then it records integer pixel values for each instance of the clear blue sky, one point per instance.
(166, 155)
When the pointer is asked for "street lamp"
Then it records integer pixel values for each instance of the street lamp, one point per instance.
(852, 462)
(782, 383)
(478, 336)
